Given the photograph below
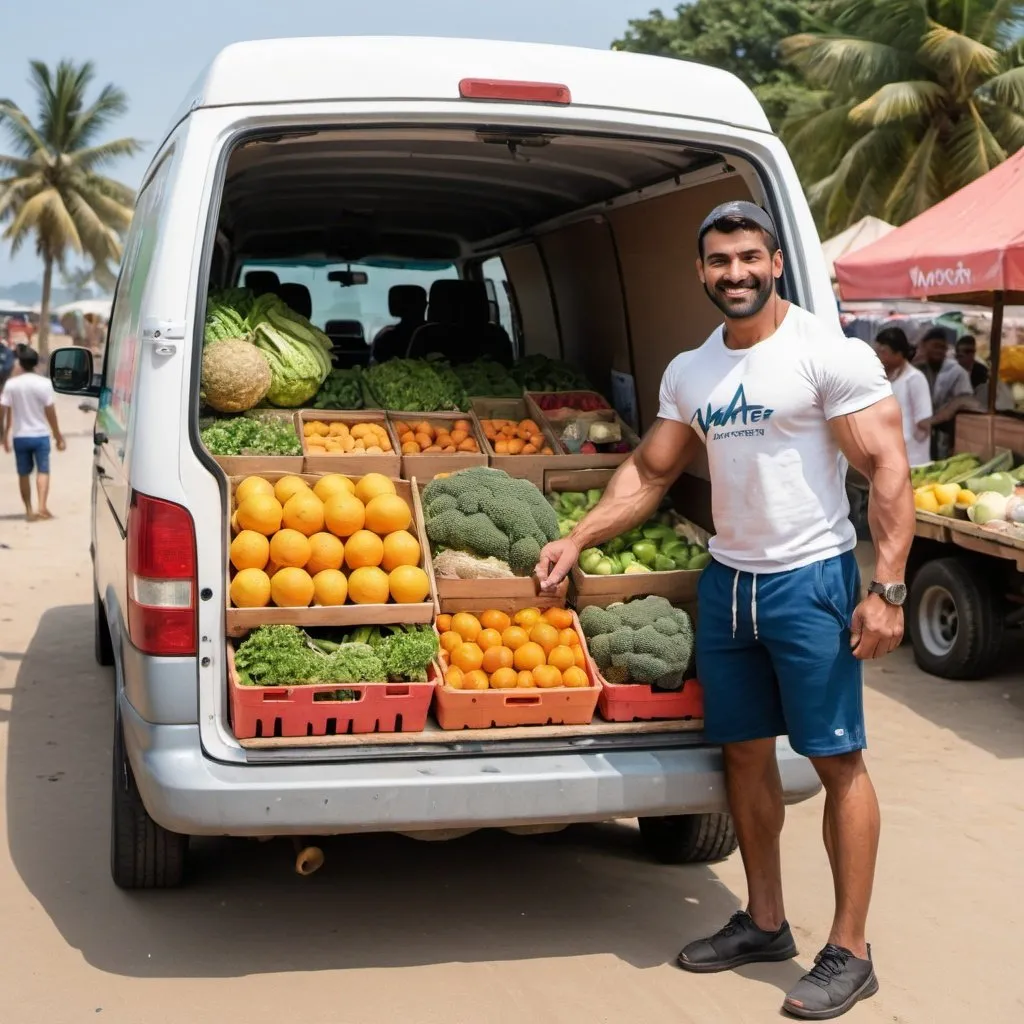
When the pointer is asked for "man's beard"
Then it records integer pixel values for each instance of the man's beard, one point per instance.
(746, 308)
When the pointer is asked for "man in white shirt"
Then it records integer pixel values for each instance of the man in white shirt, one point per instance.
(28, 414)
(949, 382)
(781, 400)
(910, 387)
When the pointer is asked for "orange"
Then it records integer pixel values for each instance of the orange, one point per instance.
(387, 513)
(560, 618)
(467, 656)
(569, 637)
(579, 658)
(408, 583)
(489, 638)
(561, 657)
(260, 512)
(291, 588)
(497, 658)
(253, 485)
(526, 617)
(453, 677)
(529, 656)
(368, 585)
(288, 486)
(330, 587)
(250, 589)
(333, 483)
(475, 680)
(450, 640)
(234, 522)
(400, 548)
(525, 680)
(547, 676)
(466, 625)
(250, 550)
(289, 549)
(514, 637)
(546, 635)
(304, 512)
(325, 552)
(442, 622)
(493, 619)
(363, 548)
(371, 485)
(503, 679)
(344, 514)
(575, 677)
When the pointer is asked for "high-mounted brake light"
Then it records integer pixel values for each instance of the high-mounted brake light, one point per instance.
(161, 577)
(514, 92)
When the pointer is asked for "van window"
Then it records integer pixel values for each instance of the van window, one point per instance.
(125, 330)
(500, 293)
(367, 303)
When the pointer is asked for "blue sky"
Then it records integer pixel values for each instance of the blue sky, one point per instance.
(155, 50)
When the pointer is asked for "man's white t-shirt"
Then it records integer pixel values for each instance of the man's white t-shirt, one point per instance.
(28, 396)
(778, 477)
(915, 398)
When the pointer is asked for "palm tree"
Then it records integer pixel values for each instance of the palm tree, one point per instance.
(52, 191)
(915, 99)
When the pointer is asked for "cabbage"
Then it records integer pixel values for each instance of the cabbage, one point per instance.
(989, 506)
(295, 372)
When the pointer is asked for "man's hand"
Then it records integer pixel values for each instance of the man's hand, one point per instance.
(556, 562)
(876, 628)
(7, 445)
(61, 443)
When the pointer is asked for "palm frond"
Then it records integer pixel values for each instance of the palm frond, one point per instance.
(17, 165)
(111, 103)
(947, 51)
(99, 239)
(21, 130)
(919, 185)
(1001, 25)
(847, 65)
(972, 149)
(1006, 89)
(899, 101)
(45, 216)
(105, 152)
(113, 214)
(899, 23)
(1008, 128)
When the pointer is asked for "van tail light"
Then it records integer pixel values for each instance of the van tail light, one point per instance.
(514, 92)
(161, 577)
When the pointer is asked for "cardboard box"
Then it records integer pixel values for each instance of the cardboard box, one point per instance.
(425, 466)
(505, 595)
(526, 467)
(259, 465)
(388, 464)
(558, 419)
(239, 621)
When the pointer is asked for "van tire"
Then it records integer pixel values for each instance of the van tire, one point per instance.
(143, 855)
(103, 645)
(688, 838)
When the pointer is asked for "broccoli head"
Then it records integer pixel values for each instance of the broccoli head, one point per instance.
(524, 555)
(621, 641)
(642, 668)
(600, 650)
(440, 503)
(597, 621)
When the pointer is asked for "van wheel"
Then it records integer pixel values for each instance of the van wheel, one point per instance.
(688, 838)
(955, 620)
(103, 646)
(143, 855)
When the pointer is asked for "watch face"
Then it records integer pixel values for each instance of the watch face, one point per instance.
(896, 593)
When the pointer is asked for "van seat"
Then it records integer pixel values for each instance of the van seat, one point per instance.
(408, 302)
(296, 297)
(262, 281)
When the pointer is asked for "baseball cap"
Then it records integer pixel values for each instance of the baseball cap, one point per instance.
(738, 208)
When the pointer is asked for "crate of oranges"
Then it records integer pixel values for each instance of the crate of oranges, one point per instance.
(348, 442)
(437, 443)
(507, 668)
(326, 550)
(519, 440)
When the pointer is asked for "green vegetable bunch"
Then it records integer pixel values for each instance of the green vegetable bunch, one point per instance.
(487, 378)
(416, 385)
(404, 652)
(487, 513)
(644, 641)
(572, 506)
(251, 434)
(343, 389)
(541, 373)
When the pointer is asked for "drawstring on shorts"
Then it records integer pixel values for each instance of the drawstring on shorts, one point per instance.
(735, 602)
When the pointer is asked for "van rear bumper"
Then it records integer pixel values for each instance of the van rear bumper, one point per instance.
(186, 792)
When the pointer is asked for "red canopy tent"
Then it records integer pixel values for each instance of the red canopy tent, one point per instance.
(969, 248)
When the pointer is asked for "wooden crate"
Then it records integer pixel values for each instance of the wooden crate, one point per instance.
(526, 467)
(557, 420)
(239, 621)
(424, 466)
(389, 464)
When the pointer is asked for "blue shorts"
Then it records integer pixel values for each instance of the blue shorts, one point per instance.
(29, 451)
(774, 658)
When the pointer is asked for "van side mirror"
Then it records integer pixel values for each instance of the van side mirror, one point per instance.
(71, 372)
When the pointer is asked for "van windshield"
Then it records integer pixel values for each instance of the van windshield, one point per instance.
(366, 303)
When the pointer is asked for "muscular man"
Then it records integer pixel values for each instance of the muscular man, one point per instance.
(781, 401)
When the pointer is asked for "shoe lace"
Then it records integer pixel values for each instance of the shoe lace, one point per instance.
(736, 923)
(829, 964)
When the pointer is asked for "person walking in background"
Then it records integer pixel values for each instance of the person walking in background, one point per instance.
(911, 390)
(966, 356)
(948, 381)
(28, 416)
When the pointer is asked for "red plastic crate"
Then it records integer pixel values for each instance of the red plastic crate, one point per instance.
(294, 711)
(639, 702)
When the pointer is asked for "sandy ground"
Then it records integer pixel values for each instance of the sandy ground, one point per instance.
(576, 927)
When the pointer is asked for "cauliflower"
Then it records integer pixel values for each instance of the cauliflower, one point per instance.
(235, 375)
(487, 513)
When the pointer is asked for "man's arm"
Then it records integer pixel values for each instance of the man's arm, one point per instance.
(872, 441)
(51, 418)
(632, 496)
(5, 426)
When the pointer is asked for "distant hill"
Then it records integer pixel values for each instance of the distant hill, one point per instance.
(28, 293)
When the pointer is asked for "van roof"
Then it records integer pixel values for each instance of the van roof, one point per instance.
(420, 68)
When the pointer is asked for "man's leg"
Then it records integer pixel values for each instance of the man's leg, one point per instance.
(25, 486)
(851, 826)
(755, 802)
(42, 456)
(43, 491)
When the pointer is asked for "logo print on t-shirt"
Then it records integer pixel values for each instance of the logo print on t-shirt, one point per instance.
(738, 411)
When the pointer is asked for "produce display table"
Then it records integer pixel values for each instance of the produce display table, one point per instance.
(967, 535)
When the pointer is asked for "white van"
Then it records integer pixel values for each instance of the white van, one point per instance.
(572, 182)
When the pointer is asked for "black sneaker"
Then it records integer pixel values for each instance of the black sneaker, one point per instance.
(836, 982)
(739, 942)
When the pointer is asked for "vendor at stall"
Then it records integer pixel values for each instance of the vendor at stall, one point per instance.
(911, 390)
(949, 382)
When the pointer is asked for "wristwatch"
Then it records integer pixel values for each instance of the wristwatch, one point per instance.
(891, 593)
